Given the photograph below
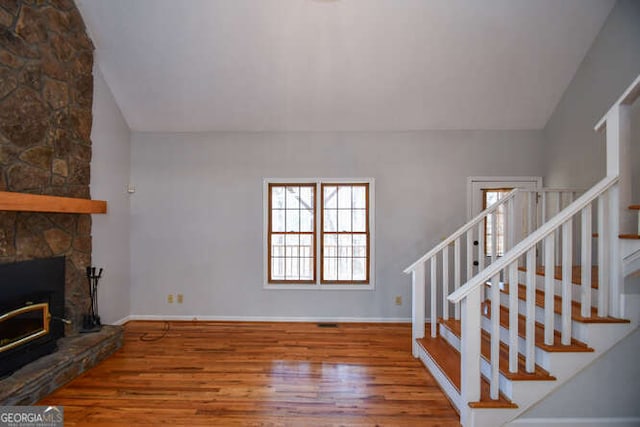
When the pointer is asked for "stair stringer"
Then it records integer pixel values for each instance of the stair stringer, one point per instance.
(564, 366)
(449, 390)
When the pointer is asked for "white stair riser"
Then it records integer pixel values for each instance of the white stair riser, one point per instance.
(578, 329)
(576, 290)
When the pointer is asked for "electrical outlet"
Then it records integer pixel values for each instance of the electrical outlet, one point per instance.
(170, 299)
(398, 300)
(179, 298)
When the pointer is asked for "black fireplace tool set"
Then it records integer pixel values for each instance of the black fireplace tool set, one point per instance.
(91, 320)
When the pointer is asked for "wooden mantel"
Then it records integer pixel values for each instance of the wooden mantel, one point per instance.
(24, 202)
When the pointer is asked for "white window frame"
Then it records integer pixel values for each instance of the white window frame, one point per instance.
(317, 285)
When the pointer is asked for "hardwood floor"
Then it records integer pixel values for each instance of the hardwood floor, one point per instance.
(258, 374)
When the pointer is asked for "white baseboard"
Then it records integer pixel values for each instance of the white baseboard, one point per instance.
(576, 422)
(162, 317)
(122, 321)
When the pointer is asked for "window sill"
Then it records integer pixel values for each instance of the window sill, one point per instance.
(318, 287)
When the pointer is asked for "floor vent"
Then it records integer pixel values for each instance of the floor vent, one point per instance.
(327, 325)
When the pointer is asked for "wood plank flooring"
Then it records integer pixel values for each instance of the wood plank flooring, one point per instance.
(258, 374)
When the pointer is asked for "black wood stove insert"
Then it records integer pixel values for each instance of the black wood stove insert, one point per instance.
(31, 311)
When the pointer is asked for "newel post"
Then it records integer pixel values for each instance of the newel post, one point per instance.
(618, 128)
(418, 306)
(470, 347)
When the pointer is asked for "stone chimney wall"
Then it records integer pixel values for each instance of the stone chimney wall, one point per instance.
(46, 95)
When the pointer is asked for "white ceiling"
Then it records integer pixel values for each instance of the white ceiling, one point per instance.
(290, 65)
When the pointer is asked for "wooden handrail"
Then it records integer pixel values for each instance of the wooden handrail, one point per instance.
(24, 202)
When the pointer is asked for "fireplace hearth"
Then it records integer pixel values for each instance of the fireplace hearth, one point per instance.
(31, 311)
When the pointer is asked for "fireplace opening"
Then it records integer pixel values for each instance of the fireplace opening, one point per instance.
(24, 324)
(31, 310)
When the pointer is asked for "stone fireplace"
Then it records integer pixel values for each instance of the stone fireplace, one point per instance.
(46, 97)
(46, 93)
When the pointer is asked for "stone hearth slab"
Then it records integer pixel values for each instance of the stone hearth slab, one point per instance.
(75, 355)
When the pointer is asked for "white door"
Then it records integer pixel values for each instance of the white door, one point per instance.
(480, 196)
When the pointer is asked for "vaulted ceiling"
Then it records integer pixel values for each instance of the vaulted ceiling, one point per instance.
(374, 65)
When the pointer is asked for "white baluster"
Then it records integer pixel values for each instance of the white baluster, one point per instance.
(530, 211)
(510, 238)
(495, 337)
(530, 331)
(418, 305)
(481, 249)
(456, 274)
(549, 289)
(567, 270)
(543, 210)
(585, 288)
(513, 317)
(615, 259)
(469, 255)
(434, 296)
(557, 243)
(603, 257)
(494, 237)
(445, 283)
(470, 347)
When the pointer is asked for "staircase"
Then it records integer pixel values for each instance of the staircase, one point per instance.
(506, 331)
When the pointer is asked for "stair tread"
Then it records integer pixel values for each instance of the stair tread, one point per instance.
(576, 274)
(539, 374)
(556, 347)
(576, 312)
(448, 360)
(630, 236)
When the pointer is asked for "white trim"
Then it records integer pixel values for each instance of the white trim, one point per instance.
(122, 321)
(576, 422)
(317, 285)
(496, 180)
(293, 319)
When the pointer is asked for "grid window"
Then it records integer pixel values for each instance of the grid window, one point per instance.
(489, 197)
(291, 233)
(345, 233)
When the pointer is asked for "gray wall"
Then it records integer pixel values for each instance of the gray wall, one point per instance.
(197, 212)
(575, 154)
(110, 167)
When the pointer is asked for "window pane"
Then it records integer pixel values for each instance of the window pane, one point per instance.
(277, 220)
(359, 268)
(277, 197)
(293, 220)
(306, 220)
(291, 268)
(344, 268)
(359, 245)
(330, 245)
(293, 197)
(306, 245)
(330, 271)
(277, 245)
(293, 244)
(306, 268)
(344, 220)
(330, 220)
(330, 197)
(277, 268)
(359, 197)
(306, 197)
(360, 220)
(344, 197)
(345, 245)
